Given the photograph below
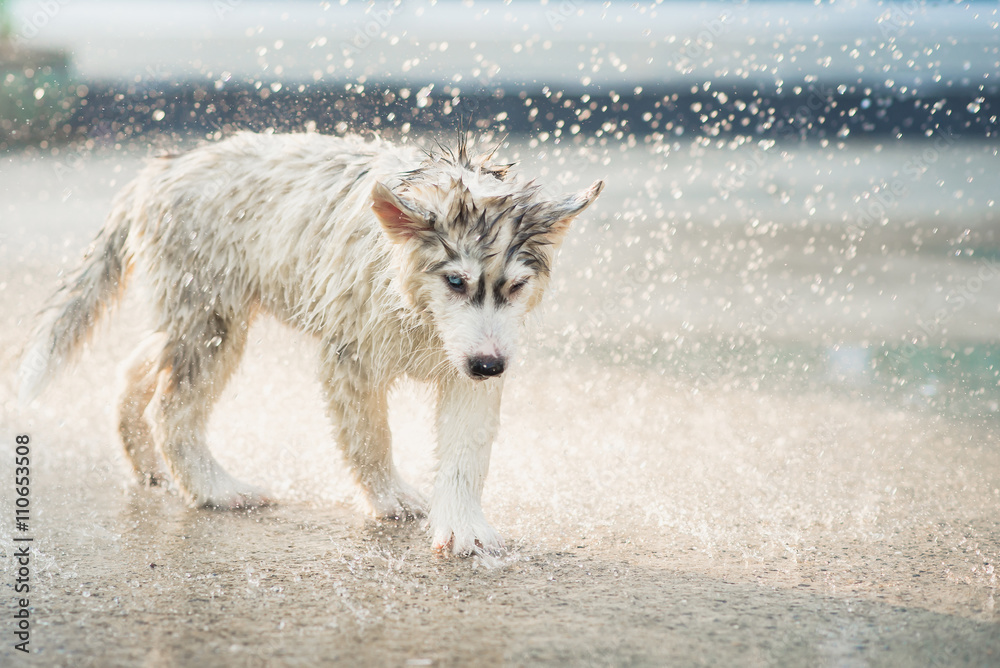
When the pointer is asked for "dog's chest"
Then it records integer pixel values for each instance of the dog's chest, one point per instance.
(388, 347)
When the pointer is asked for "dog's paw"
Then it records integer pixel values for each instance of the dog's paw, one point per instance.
(396, 501)
(235, 495)
(466, 540)
(242, 501)
(151, 479)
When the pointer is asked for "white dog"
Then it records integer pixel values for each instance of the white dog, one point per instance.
(399, 262)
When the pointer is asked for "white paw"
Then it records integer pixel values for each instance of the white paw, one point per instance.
(228, 493)
(250, 497)
(463, 539)
(396, 500)
(154, 478)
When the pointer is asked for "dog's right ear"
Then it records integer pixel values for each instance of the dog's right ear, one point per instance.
(401, 220)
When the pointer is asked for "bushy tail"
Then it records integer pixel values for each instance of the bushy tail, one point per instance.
(74, 310)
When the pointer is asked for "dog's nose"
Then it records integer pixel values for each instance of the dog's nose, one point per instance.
(484, 367)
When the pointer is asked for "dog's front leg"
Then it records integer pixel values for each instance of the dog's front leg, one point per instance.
(361, 416)
(468, 414)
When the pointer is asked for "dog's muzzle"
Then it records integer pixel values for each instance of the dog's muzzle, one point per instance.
(485, 367)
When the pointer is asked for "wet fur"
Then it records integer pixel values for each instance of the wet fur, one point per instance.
(351, 241)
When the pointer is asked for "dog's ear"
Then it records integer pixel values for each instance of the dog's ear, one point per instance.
(499, 172)
(565, 209)
(400, 220)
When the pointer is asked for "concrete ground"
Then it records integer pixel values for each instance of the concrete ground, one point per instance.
(716, 451)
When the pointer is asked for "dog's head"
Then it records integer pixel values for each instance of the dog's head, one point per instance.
(476, 248)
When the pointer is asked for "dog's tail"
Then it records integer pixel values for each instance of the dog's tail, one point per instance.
(74, 310)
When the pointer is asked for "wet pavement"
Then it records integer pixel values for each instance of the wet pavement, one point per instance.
(750, 428)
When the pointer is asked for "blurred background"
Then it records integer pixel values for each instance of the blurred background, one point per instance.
(793, 185)
(770, 353)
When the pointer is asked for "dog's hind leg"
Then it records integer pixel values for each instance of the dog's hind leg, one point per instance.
(194, 367)
(361, 418)
(138, 384)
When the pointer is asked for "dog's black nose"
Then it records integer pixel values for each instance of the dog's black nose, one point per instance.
(483, 367)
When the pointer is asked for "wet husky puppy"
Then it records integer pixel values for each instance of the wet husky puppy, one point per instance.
(400, 262)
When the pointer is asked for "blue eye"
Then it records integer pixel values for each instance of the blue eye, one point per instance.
(455, 282)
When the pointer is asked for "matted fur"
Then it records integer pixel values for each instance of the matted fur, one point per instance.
(400, 262)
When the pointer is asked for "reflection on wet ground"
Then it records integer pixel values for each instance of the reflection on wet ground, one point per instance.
(745, 456)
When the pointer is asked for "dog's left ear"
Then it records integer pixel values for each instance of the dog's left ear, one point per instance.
(564, 210)
(400, 219)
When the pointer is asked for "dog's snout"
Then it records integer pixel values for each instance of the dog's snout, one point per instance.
(484, 367)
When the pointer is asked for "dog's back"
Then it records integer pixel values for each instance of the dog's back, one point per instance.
(281, 220)
(278, 222)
